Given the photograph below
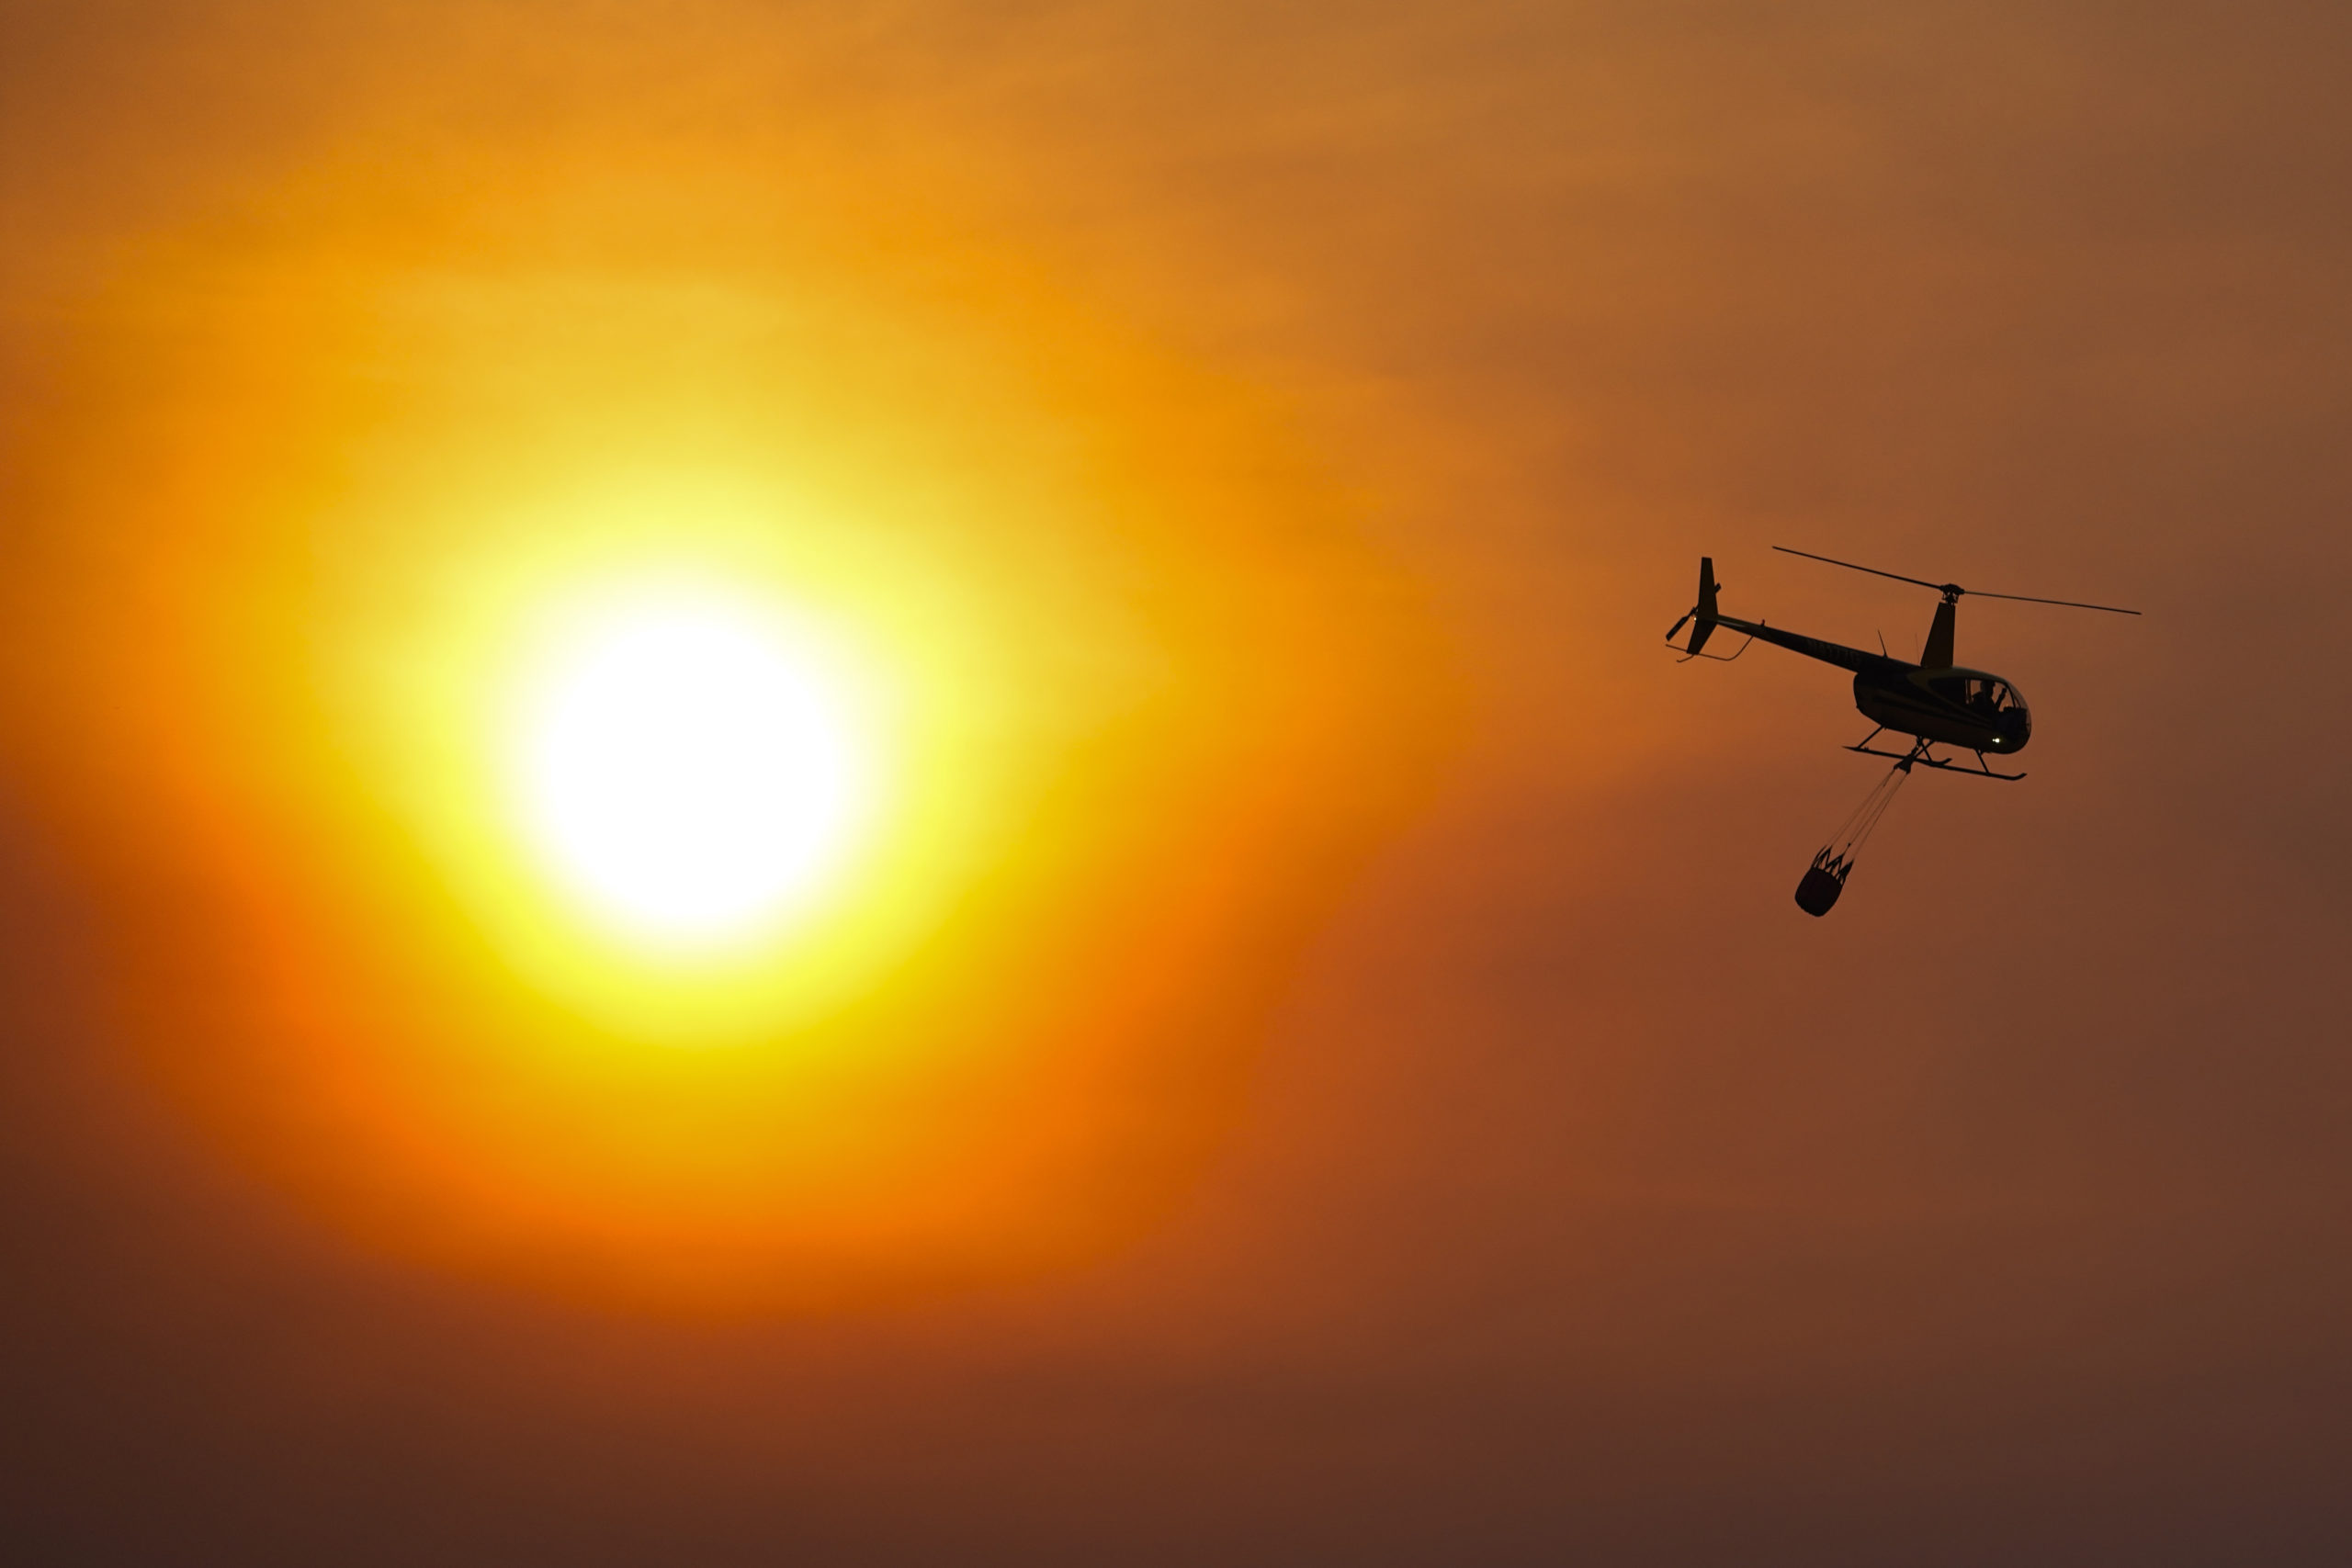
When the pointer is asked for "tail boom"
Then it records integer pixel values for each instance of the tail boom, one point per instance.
(1706, 617)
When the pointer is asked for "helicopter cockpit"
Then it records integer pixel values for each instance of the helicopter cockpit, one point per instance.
(1989, 700)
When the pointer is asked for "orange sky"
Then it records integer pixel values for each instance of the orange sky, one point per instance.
(1336, 1074)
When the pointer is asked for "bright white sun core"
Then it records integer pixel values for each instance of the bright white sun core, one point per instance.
(686, 769)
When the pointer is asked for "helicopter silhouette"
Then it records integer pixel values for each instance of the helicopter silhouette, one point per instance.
(1935, 702)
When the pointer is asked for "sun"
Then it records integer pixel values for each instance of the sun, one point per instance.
(686, 770)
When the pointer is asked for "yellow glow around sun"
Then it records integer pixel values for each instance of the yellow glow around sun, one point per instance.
(687, 771)
(651, 743)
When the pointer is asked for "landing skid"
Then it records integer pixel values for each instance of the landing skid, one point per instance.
(1921, 755)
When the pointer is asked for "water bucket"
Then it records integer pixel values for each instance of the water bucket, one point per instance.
(1818, 891)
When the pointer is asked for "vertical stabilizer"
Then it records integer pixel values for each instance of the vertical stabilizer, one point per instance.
(1704, 613)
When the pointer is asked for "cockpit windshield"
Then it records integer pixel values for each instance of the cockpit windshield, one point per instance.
(1981, 694)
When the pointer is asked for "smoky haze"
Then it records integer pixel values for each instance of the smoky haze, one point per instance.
(1588, 1202)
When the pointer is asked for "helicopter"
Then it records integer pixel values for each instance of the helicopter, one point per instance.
(1935, 702)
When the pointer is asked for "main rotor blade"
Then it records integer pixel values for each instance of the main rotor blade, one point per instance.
(1955, 588)
(2070, 603)
(1849, 566)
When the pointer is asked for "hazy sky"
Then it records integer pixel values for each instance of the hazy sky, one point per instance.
(1473, 1155)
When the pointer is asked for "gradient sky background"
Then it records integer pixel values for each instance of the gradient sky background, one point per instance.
(1562, 1194)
